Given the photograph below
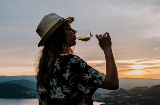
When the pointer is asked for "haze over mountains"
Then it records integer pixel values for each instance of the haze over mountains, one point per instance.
(10, 78)
(126, 83)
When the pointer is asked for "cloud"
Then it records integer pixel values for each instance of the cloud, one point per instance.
(126, 61)
(140, 61)
(149, 65)
(158, 48)
(96, 61)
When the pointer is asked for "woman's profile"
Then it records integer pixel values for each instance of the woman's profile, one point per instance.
(63, 78)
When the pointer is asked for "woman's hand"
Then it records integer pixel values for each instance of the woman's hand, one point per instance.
(104, 41)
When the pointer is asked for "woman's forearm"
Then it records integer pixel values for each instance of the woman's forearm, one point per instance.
(111, 81)
(111, 69)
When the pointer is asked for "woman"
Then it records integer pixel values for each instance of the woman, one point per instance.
(64, 78)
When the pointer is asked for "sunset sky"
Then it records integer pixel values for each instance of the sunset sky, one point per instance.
(134, 26)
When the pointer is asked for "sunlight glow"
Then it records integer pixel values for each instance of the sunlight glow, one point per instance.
(138, 67)
(137, 72)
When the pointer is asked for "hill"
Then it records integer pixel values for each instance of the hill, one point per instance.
(23, 82)
(10, 78)
(125, 83)
(152, 91)
(16, 91)
(134, 96)
(129, 83)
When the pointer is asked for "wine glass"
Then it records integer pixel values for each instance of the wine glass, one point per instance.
(83, 35)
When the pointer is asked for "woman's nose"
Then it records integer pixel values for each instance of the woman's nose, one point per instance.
(75, 31)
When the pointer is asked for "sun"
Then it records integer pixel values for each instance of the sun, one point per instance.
(137, 72)
(137, 69)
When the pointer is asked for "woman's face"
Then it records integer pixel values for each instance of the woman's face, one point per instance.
(70, 34)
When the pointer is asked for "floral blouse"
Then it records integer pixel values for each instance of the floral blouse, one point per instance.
(73, 82)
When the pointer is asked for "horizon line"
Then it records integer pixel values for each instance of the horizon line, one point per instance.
(119, 77)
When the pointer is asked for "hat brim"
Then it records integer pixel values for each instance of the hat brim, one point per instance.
(52, 29)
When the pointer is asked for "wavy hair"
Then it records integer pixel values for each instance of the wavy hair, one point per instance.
(55, 45)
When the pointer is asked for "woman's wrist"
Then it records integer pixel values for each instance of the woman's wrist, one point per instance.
(107, 49)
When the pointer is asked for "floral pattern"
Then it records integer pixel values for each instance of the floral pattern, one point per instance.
(73, 82)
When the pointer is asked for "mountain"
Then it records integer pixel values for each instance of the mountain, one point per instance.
(152, 91)
(10, 78)
(23, 82)
(16, 91)
(126, 83)
(129, 83)
(18, 88)
(134, 96)
(144, 91)
(25, 87)
(119, 91)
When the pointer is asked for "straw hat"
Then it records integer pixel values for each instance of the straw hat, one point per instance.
(48, 25)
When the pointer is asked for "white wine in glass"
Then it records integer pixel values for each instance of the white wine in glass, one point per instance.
(83, 35)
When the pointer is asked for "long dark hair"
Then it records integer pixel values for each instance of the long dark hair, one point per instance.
(55, 45)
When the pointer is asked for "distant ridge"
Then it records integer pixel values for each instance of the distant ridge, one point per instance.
(128, 83)
(16, 91)
(23, 82)
(10, 78)
(125, 83)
